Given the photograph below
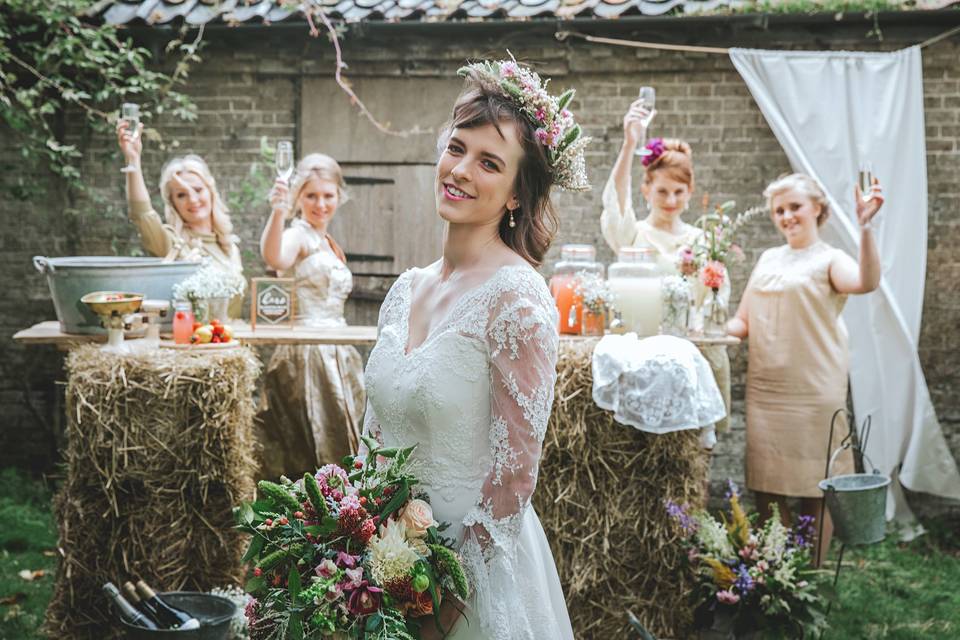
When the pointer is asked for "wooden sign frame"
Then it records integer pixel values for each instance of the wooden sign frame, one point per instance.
(259, 286)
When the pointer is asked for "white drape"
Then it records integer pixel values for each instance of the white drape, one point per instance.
(829, 111)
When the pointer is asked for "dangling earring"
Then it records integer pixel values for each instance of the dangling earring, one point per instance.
(512, 222)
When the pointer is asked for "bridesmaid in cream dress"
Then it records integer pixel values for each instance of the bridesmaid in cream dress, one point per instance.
(667, 188)
(196, 223)
(314, 396)
(798, 359)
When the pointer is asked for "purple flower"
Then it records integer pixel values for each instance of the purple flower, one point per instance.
(353, 579)
(679, 513)
(743, 583)
(803, 532)
(656, 148)
(365, 599)
(346, 561)
(333, 482)
(326, 569)
(732, 490)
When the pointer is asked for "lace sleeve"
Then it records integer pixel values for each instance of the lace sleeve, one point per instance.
(522, 342)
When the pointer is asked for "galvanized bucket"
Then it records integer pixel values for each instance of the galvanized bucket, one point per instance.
(857, 503)
(70, 278)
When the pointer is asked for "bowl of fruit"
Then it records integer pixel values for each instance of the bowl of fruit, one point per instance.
(211, 335)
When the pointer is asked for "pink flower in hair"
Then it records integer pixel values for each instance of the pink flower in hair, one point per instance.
(656, 148)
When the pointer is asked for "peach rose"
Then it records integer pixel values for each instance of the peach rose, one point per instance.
(418, 517)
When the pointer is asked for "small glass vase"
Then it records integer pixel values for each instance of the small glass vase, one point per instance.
(714, 312)
(207, 309)
(593, 322)
(675, 304)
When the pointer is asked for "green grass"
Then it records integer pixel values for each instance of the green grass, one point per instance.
(888, 591)
(28, 539)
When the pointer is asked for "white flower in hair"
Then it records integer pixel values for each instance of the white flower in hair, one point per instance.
(554, 125)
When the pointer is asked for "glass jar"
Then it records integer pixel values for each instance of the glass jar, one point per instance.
(675, 296)
(574, 259)
(634, 279)
(715, 315)
(182, 321)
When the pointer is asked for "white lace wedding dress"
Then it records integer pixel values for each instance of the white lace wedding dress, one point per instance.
(476, 396)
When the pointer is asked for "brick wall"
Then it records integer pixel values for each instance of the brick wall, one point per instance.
(248, 87)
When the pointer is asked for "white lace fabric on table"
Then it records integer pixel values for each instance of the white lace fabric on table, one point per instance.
(658, 385)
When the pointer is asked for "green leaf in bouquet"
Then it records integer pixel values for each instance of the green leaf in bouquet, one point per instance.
(279, 495)
(255, 585)
(327, 526)
(399, 497)
(293, 583)
(246, 513)
(371, 444)
(390, 452)
(295, 627)
(374, 622)
(312, 490)
(256, 546)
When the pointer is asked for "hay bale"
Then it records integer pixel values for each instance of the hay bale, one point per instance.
(600, 497)
(160, 449)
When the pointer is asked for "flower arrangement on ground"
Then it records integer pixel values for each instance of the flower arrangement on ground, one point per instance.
(752, 578)
(348, 552)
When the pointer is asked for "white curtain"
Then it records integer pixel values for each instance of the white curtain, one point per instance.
(829, 111)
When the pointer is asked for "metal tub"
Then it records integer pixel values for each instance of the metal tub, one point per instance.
(70, 278)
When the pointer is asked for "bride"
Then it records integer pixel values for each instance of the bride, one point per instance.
(465, 361)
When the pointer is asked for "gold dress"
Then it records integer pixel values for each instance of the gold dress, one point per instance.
(162, 240)
(313, 396)
(796, 371)
(622, 229)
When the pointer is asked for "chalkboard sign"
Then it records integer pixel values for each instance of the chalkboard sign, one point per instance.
(273, 301)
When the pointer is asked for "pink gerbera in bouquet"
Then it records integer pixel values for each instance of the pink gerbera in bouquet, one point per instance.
(350, 552)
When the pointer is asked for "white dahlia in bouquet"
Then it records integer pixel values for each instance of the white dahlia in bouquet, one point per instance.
(347, 552)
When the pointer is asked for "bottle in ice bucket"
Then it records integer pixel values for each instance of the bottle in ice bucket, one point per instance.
(130, 593)
(574, 259)
(126, 610)
(167, 616)
(635, 281)
(182, 321)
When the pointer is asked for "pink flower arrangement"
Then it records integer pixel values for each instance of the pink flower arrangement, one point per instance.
(713, 274)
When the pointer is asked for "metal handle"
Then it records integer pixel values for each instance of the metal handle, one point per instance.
(840, 450)
(42, 264)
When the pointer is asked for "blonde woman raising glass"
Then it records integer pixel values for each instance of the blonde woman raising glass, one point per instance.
(798, 357)
(196, 223)
(313, 395)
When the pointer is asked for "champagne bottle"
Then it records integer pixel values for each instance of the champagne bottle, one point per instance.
(130, 593)
(125, 609)
(167, 616)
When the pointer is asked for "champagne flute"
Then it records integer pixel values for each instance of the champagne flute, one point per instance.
(865, 178)
(130, 113)
(284, 160)
(648, 99)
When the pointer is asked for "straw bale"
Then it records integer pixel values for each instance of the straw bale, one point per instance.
(600, 496)
(160, 448)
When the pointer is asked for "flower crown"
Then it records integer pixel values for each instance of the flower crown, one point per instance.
(555, 128)
(656, 149)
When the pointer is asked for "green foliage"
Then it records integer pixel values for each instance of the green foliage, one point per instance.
(56, 61)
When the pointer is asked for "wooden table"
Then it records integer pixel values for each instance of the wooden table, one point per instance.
(49, 332)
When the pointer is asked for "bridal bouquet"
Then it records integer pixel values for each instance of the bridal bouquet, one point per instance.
(348, 552)
(752, 578)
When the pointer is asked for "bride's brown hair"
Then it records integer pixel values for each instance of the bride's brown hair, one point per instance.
(536, 219)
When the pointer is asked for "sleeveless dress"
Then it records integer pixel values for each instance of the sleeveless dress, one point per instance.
(313, 396)
(476, 396)
(796, 371)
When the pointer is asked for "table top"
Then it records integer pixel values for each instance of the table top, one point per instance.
(48, 332)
